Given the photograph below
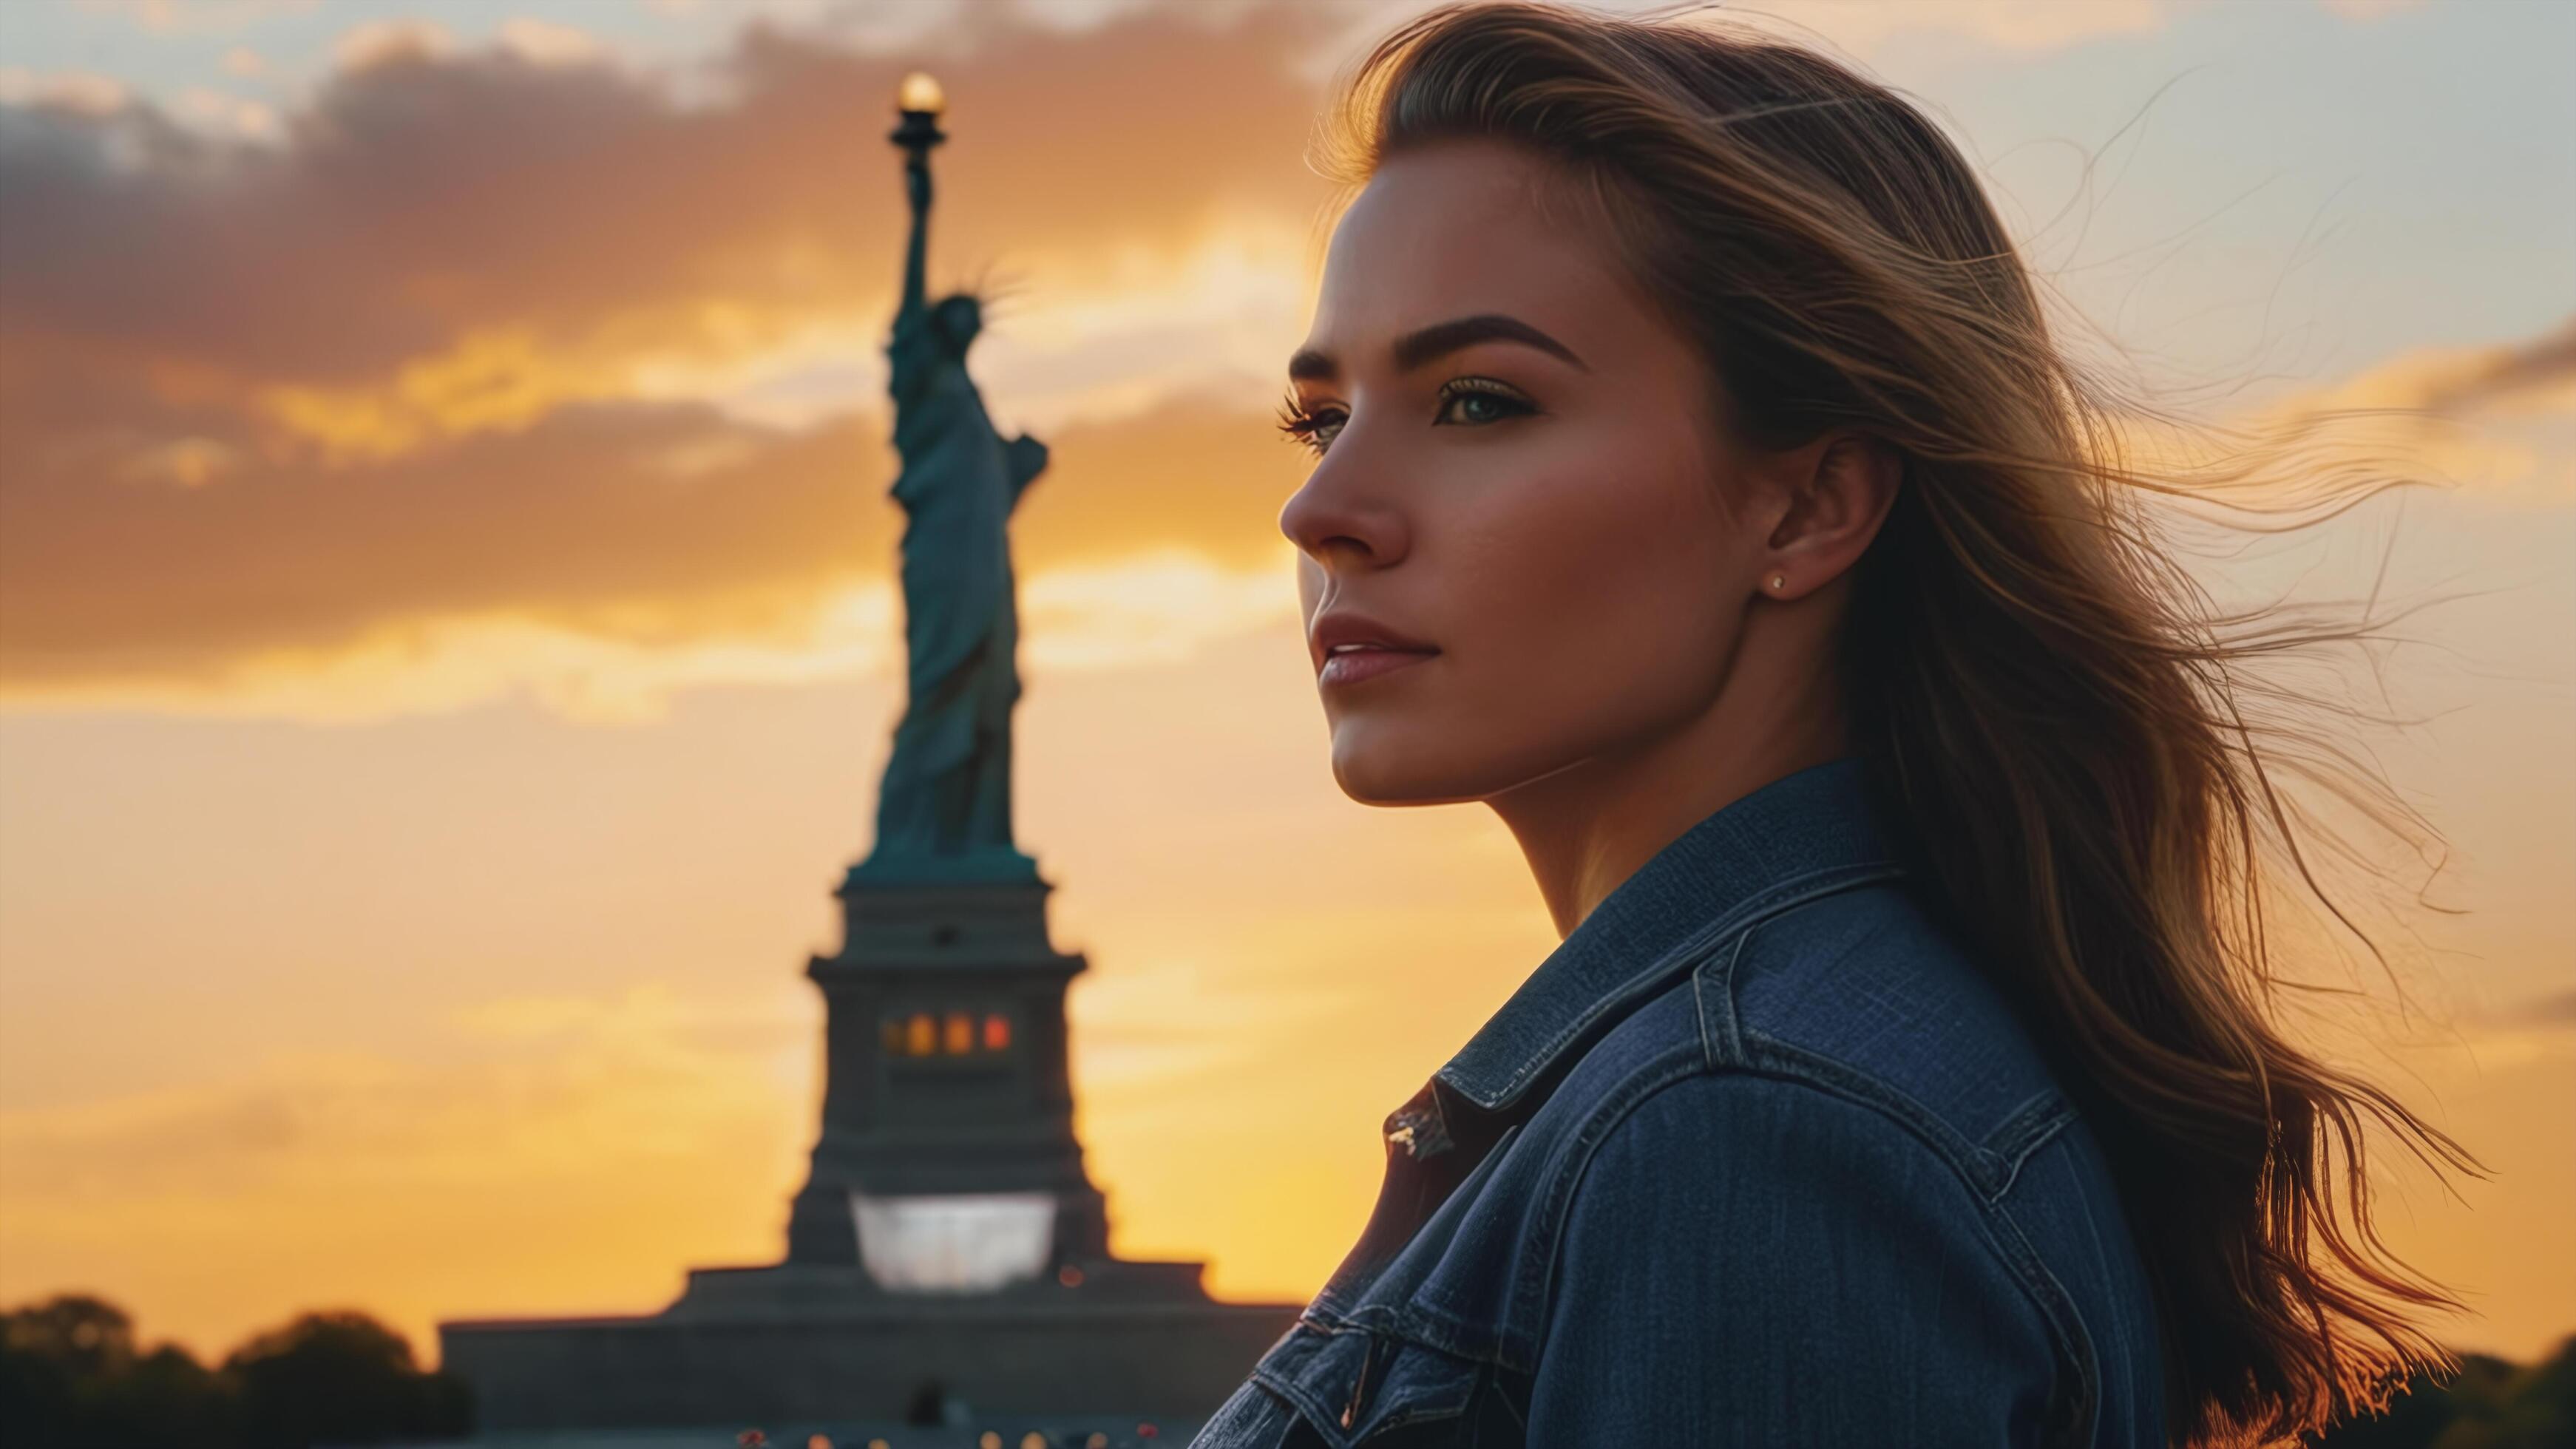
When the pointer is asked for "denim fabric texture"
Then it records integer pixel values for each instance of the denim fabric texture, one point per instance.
(1756, 1156)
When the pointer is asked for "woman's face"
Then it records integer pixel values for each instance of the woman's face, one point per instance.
(1540, 509)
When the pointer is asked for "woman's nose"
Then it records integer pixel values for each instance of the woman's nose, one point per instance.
(1340, 520)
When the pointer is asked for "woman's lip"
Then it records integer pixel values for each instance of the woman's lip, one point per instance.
(1350, 666)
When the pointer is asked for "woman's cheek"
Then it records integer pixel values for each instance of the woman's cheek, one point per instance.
(1543, 624)
(1636, 609)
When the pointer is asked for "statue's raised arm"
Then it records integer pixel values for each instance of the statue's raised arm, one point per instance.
(915, 292)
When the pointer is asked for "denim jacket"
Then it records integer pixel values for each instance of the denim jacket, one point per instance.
(1756, 1156)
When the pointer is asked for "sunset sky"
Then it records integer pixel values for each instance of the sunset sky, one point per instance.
(448, 641)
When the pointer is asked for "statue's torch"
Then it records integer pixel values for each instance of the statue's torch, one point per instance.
(920, 102)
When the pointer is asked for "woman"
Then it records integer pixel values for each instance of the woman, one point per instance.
(1695, 484)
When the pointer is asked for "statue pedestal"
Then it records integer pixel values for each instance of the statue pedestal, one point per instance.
(992, 1118)
(946, 1083)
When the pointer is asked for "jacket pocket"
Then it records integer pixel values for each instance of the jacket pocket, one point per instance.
(1354, 1387)
(1254, 1417)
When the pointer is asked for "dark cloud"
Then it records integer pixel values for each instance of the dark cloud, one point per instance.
(424, 194)
(158, 286)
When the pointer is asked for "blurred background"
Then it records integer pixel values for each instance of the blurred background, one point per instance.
(448, 641)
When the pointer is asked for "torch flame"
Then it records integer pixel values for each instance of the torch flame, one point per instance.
(921, 93)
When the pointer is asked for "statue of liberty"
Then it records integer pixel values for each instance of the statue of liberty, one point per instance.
(944, 810)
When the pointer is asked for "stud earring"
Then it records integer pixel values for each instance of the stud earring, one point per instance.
(1779, 582)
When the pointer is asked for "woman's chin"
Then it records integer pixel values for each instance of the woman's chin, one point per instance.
(1374, 770)
(1367, 771)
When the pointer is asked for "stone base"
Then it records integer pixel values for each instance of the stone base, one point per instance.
(798, 1357)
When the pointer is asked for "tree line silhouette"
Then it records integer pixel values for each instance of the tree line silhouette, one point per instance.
(73, 1375)
(2490, 1403)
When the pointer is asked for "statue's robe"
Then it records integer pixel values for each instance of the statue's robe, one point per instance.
(947, 786)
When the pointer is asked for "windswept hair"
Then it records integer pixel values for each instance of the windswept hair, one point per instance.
(2060, 721)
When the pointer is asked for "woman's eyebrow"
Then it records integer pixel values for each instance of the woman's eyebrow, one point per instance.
(1439, 339)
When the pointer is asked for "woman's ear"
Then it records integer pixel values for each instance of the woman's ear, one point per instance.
(1838, 489)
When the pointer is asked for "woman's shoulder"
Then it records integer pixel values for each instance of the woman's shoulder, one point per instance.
(1829, 1275)
(1852, 1018)
(1851, 1257)
(1839, 1091)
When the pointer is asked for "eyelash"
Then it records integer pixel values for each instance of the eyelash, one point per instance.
(1297, 423)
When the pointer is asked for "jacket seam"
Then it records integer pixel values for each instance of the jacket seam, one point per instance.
(1528, 1301)
(2025, 1130)
(1773, 900)
(1773, 1057)
(1709, 1032)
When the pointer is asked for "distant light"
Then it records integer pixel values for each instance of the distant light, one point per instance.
(988, 1440)
(920, 93)
(961, 1033)
(879, 1444)
(997, 1032)
(1069, 1275)
(1097, 1440)
(1033, 1440)
(818, 1441)
(921, 1035)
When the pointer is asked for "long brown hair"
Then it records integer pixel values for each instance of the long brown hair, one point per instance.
(2033, 679)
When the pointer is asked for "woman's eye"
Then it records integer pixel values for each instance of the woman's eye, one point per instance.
(1313, 429)
(1478, 404)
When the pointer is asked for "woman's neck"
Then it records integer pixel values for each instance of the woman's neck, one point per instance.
(1586, 827)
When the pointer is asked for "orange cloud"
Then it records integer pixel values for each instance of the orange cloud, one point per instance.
(581, 518)
(193, 567)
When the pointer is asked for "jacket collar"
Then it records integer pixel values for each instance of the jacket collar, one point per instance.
(1806, 832)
